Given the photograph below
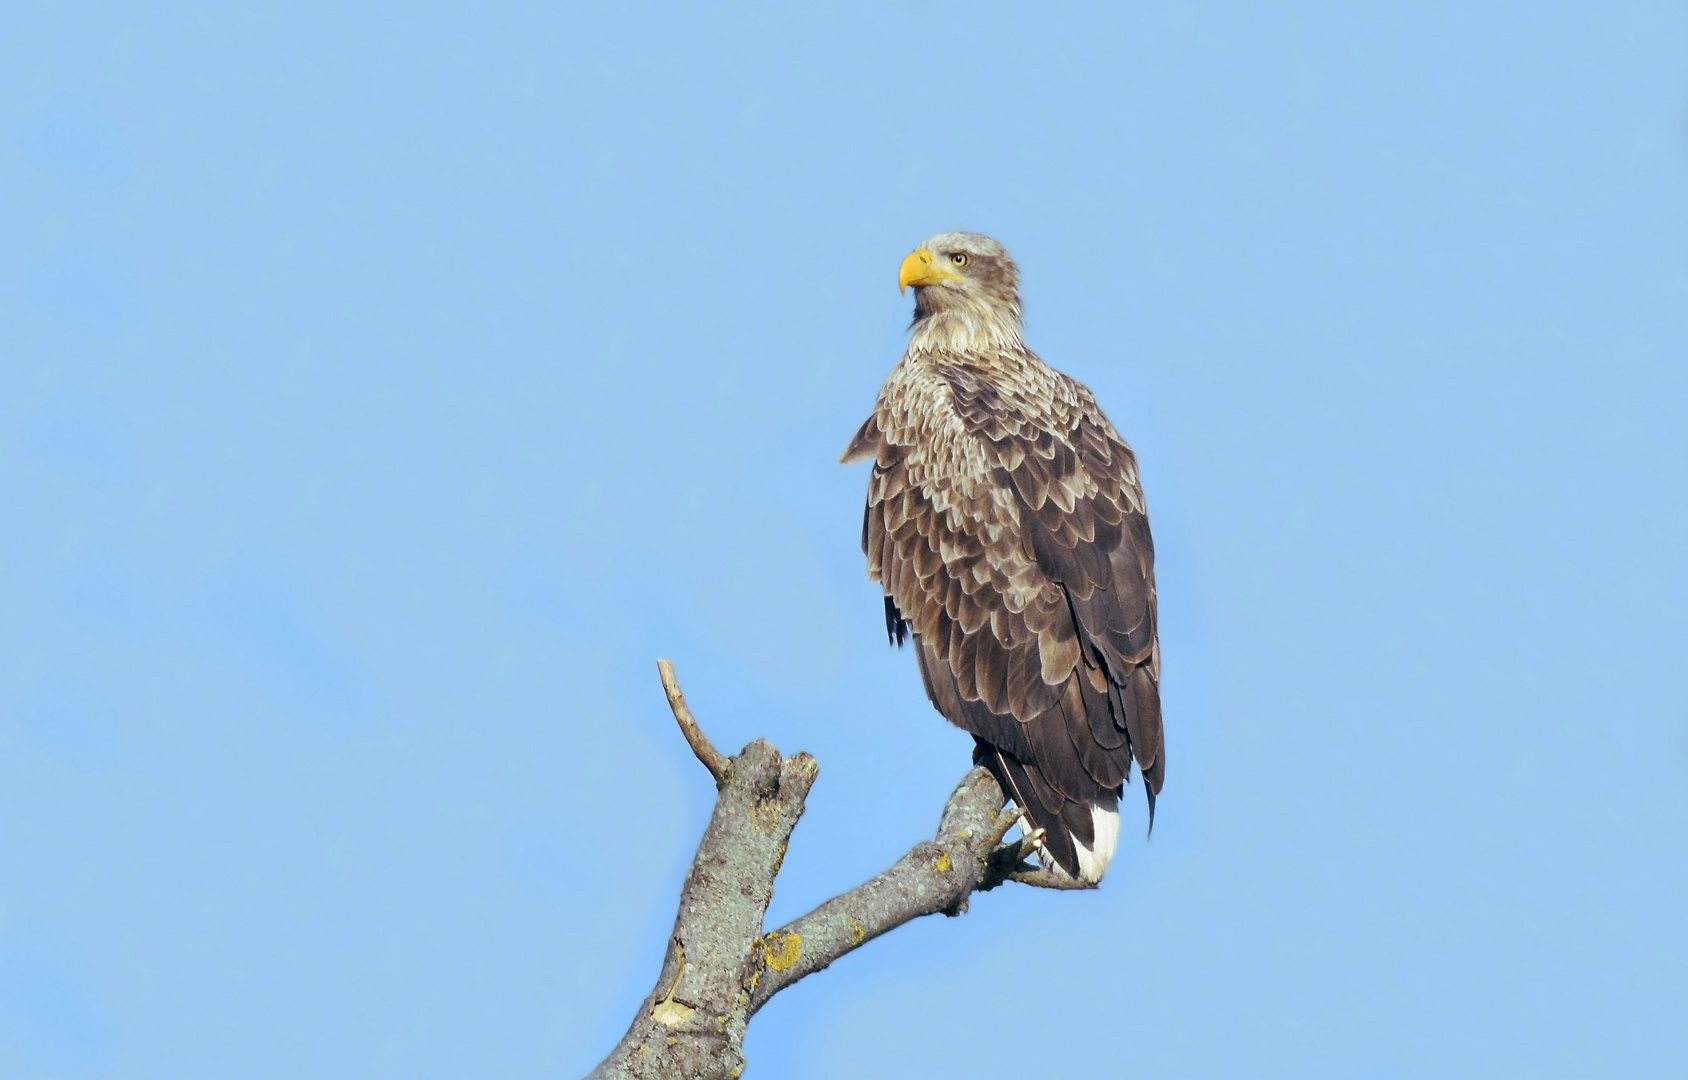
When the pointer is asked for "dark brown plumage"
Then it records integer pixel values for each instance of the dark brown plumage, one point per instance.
(1006, 524)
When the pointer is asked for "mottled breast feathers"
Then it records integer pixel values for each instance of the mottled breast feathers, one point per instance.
(1006, 524)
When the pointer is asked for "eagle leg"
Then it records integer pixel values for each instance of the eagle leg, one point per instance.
(896, 627)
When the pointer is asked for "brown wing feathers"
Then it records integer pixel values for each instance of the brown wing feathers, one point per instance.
(1028, 584)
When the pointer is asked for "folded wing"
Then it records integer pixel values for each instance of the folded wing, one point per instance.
(1016, 549)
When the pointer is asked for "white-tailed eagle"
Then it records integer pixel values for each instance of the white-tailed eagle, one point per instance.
(1006, 524)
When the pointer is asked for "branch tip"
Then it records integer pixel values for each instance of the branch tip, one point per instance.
(700, 744)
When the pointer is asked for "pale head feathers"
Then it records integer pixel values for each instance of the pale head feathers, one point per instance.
(979, 307)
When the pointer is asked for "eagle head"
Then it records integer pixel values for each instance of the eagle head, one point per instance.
(958, 271)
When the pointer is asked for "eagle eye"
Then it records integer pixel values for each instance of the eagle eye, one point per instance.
(959, 259)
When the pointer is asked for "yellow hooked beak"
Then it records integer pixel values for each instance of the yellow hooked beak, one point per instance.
(918, 269)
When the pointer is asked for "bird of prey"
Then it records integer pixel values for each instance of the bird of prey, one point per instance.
(1005, 523)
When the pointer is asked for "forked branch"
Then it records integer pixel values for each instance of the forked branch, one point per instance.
(720, 967)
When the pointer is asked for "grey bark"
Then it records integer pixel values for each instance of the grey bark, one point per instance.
(720, 968)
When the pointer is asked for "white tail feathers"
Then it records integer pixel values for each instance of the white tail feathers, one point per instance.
(1092, 861)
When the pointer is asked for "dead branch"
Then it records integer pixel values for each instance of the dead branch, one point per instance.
(720, 967)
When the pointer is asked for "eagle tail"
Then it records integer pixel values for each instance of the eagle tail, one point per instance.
(1079, 838)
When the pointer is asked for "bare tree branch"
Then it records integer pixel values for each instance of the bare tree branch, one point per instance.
(936, 875)
(701, 746)
(720, 968)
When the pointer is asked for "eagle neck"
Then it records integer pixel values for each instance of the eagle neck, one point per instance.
(971, 330)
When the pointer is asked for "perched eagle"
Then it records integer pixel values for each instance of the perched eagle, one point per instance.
(1006, 525)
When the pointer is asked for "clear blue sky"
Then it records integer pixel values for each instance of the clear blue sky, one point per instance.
(384, 387)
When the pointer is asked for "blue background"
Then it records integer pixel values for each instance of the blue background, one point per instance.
(384, 387)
